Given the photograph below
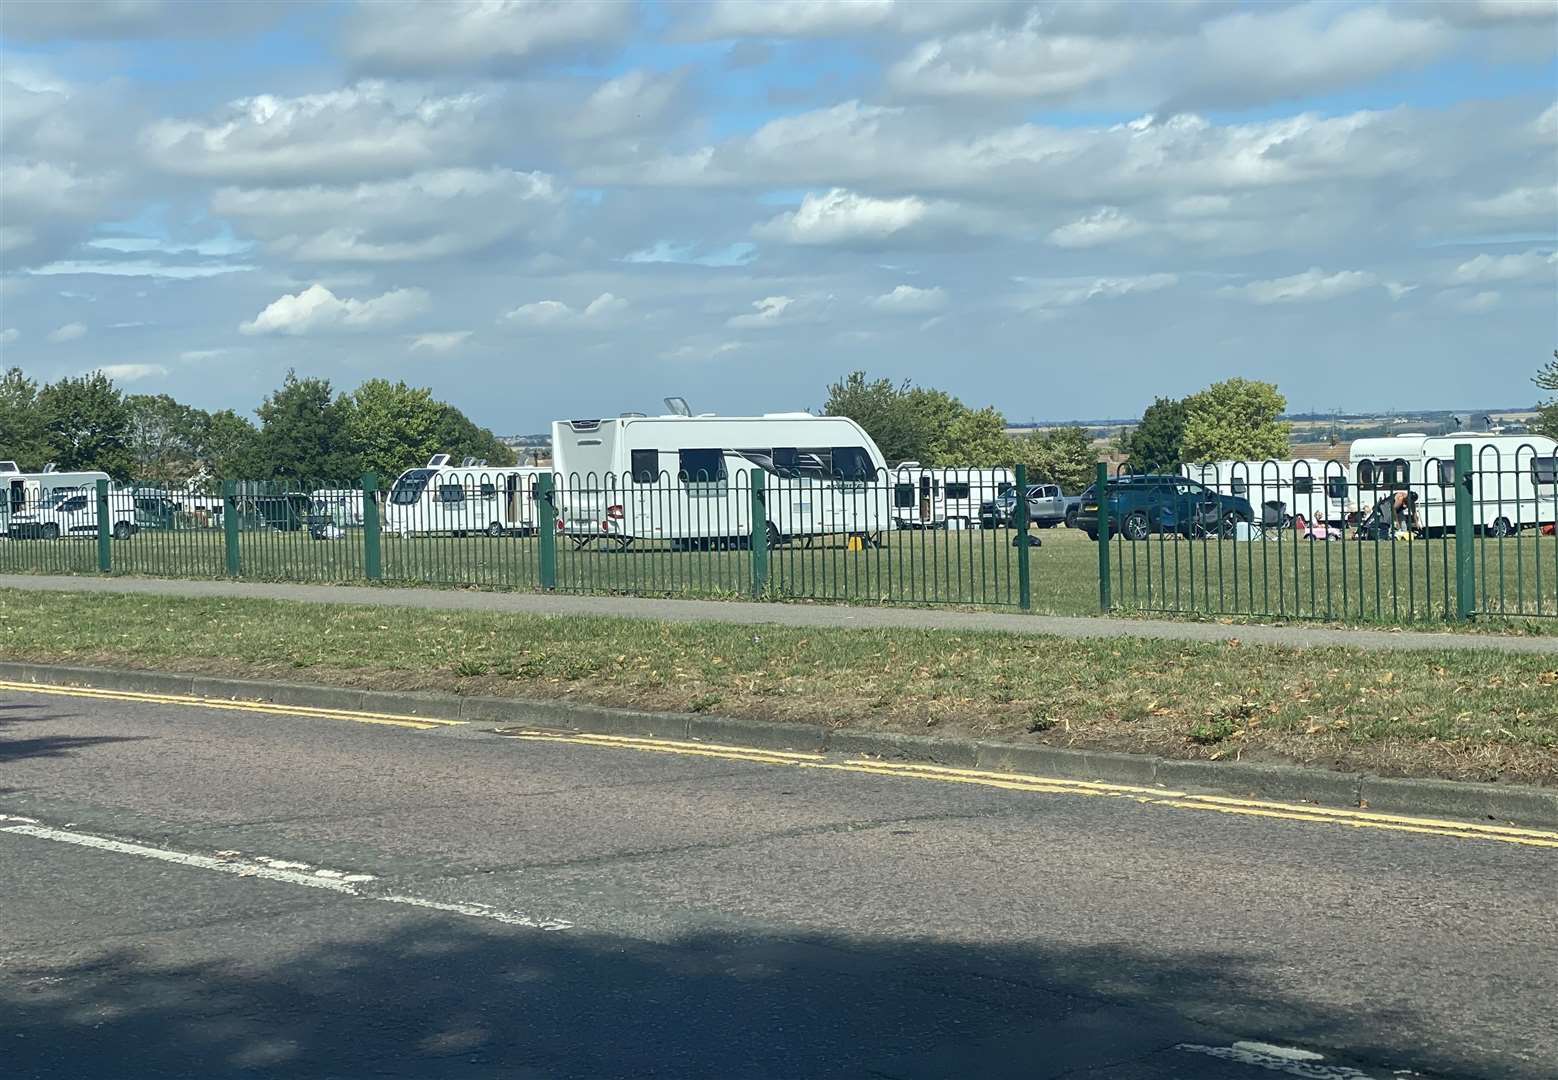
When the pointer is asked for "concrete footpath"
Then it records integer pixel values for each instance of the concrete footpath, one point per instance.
(809, 615)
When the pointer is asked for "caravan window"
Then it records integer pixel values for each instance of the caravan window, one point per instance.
(701, 466)
(1446, 471)
(1544, 470)
(904, 496)
(852, 463)
(451, 493)
(1303, 485)
(1240, 486)
(646, 466)
(958, 491)
(489, 490)
(408, 489)
(1384, 474)
(1336, 486)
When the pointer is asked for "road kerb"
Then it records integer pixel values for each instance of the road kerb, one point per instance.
(1515, 804)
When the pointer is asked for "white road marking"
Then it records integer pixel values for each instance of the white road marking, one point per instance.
(269, 869)
(1281, 1059)
(480, 911)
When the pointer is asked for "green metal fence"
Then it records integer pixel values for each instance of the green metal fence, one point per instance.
(1395, 542)
(1392, 541)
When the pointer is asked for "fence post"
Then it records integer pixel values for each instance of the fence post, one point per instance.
(1465, 536)
(230, 524)
(758, 541)
(1101, 497)
(546, 529)
(104, 552)
(372, 551)
(1020, 521)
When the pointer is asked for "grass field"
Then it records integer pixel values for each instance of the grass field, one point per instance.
(1282, 578)
(1468, 715)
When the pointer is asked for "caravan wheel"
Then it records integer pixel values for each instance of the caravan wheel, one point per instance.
(495, 529)
(774, 539)
(1501, 528)
(122, 530)
(51, 531)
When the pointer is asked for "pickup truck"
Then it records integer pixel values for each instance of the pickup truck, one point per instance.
(1048, 506)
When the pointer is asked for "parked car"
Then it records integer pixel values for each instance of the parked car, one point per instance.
(1048, 506)
(1138, 506)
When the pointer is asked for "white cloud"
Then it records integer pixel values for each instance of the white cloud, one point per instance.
(432, 214)
(1398, 289)
(69, 332)
(1530, 264)
(794, 18)
(9, 336)
(1472, 303)
(197, 356)
(316, 309)
(442, 342)
(136, 268)
(769, 311)
(1028, 64)
(701, 351)
(552, 313)
(131, 372)
(844, 217)
(1534, 203)
(1069, 292)
(363, 131)
(1103, 226)
(908, 300)
(461, 36)
(1312, 285)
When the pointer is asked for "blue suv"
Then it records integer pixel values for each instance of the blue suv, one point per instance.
(1139, 506)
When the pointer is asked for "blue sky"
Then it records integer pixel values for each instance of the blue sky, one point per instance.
(550, 209)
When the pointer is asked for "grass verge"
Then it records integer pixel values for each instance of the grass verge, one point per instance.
(1455, 714)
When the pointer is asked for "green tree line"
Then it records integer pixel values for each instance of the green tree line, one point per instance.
(302, 431)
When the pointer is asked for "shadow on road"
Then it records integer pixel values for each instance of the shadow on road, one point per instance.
(441, 997)
(13, 748)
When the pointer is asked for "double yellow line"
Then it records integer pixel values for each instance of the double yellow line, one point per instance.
(418, 723)
(1319, 815)
(1323, 815)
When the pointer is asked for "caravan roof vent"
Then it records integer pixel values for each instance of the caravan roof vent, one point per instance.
(51, 467)
(438, 461)
(677, 406)
(9, 467)
(467, 461)
(631, 416)
(584, 425)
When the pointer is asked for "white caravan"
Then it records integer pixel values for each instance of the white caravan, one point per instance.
(1279, 491)
(1514, 477)
(935, 498)
(687, 479)
(28, 493)
(445, 499)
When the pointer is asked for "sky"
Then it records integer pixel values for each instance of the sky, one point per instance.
(558, 208)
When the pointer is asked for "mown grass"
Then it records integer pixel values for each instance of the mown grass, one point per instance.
(1516, 578)
(1457, 714)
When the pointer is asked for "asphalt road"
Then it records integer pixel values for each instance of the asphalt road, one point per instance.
(193, 892)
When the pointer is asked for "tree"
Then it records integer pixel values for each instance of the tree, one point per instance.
(973, 438)
(23, 438)
(1236, 420)
(1063, 456)
(907, 422)
(1157, 443)
(1547, 412)
(305, 434)
(395, 426)
(459, 437)
(163, 437)
(227, 447)
(87, 424)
